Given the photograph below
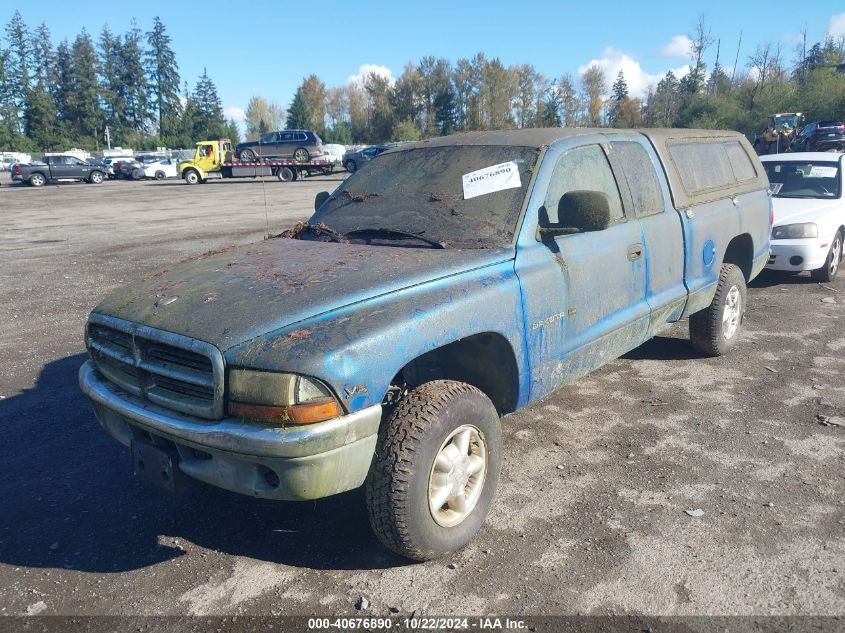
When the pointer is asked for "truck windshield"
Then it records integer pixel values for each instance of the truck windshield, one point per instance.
(804, 179)
(466, 196)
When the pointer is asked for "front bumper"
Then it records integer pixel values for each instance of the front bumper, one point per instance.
(294, 463)
(784, 254)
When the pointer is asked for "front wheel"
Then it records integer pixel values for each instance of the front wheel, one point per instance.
(351, 166)
(828, 272)
(714, 330)
(160, 175)
(435, 470)
(96, 177)
(191, 177)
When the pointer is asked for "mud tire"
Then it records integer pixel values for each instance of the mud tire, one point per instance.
(397, 485)
(706, 327)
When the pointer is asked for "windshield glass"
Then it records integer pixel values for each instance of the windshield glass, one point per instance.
(423, 191)
(784, 121)
(803, 179)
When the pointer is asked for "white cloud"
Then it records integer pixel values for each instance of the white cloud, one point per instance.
(679, 46)
(638, 80)
(366, 69)
(236, 113)
(837, 25)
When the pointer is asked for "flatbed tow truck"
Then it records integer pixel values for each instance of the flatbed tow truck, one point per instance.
(215, 160)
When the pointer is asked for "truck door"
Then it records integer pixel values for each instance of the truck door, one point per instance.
(207, 156)
(645, 193)
(59, 167)
(583, 293)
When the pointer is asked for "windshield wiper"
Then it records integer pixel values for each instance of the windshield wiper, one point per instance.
(398, 234)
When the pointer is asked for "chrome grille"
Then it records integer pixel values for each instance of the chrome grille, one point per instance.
(167, 369)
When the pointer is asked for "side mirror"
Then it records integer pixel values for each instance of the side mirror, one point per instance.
(320, 198)
(580, 212)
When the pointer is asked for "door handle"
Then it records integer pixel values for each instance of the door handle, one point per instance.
(635, 251)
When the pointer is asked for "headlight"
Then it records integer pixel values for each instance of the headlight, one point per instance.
(795, 231)
(264, 396)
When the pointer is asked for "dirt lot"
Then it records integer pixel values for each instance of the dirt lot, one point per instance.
(590, 515)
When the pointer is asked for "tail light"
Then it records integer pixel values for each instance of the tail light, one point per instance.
(18, 170)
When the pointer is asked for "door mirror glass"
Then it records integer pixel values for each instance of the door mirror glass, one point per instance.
(320, 199)
(578, 212)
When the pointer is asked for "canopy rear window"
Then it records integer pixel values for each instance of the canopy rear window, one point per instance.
(710, 165)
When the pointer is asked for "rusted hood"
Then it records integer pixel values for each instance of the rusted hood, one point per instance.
(229, 297)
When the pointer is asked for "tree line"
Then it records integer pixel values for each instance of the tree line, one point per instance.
(56, 97)
(436, 97)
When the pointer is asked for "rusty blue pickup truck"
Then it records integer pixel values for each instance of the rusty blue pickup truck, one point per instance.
(445, 284)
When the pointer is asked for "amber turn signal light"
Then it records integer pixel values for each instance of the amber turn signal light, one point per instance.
(307, 413)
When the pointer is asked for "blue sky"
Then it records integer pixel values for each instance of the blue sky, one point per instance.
(266, 47)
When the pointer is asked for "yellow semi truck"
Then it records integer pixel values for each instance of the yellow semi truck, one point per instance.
(214, 160)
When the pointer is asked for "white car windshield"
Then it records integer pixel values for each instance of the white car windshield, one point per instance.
(804, 179)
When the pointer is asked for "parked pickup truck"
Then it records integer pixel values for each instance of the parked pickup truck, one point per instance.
(439, 288)
(58, 168)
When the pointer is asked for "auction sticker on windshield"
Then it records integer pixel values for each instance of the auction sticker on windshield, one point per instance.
(491, 179)
(818, 171)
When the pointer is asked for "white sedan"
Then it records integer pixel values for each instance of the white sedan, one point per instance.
(809, 212)
(161, 169)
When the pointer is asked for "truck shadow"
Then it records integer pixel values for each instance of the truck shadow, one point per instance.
(664, 348)
(772, 278)
(70, 500)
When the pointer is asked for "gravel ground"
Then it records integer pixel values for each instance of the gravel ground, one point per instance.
(590, 514)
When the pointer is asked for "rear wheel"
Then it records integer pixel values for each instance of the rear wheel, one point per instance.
(191, 177)
(37, 180)
(160, 175)
(435, 470)
(301, 155)
(247, 155)
(831, 264)
(714, 330)
(285, 174)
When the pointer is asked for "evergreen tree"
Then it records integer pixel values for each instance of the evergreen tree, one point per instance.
(10, 133)
(18, 65)
(444, 105)
(208, 119)
(133, 87)
(619, 95)
(164, 77)
(87, 116)
(39, 117)
(232, 131)
(63, 91)
(19, 62)
(298, 115)
(111, 75)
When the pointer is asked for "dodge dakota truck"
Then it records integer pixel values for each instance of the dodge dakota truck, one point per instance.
(453, 281)
(58, 168)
